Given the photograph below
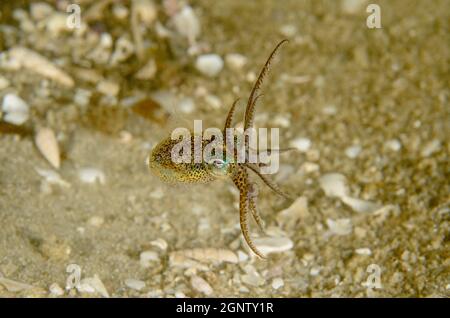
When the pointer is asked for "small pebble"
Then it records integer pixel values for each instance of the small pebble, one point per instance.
(334, 185)
(277, 283)
(363, 251)
(15, 109)
(165, 98)
(353, 6)
(96, 221)
(329, 110)
(297, 210)
(242, 256)
(209, 64)
(125, 137)
(39, 64)
(288, 30)
(56, 24)
(393, 144)
(252, 277)
(430, 147)
(157, 194)
(108, 88)
(40, 10)
(314, 271)
(213, 101)
(102, 52)
(81, 230)
(295, 79)
(186, 105)
(361, 206)
(250, 77)
(201, 91)
(148, 71)
(179, 294)
(309, 167)
(384, 212)
(340, 226)
(82, 97)
(135, 284)
(271, 244)
(147, 257)
(13, 286)
(4, 83)
(184, 258)
(120, 11)
(160, 243)
(235, 61)
(282, 120)
(124, 49)
(48, 146)
(146, 10)
(91, 175)
(353, 151)
(52, 177)
(187, 24)
(201, 285)
(243, 289)
(56, 290)
(302, 144)
(92, 285)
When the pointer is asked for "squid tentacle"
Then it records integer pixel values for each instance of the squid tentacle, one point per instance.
(269, 183)
(252, 195)
(250, 110)
(240, 179)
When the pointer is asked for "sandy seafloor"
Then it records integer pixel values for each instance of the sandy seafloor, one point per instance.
(382, 92)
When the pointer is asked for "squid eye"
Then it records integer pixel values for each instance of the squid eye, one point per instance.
(218, 163)
(218, 167)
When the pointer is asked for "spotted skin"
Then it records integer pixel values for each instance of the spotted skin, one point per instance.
(160, 164)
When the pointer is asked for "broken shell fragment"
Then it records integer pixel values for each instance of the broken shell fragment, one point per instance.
(361, 206)
(48, 146)
(298, 210)
(353, 151)
(209, 64)
(37, 63)
(4, 83)
(92, 285)
(135, 284)
(204, 255)
(269, 245)
(187, 24)
(124, 49)
(148, 71)
(14, 286)
(201, 285)
(302, 144)
(16, 109)
(91, 175)
(334, 185)
(52, 177)
(340, 226)
(145, 10)
(235, 61)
